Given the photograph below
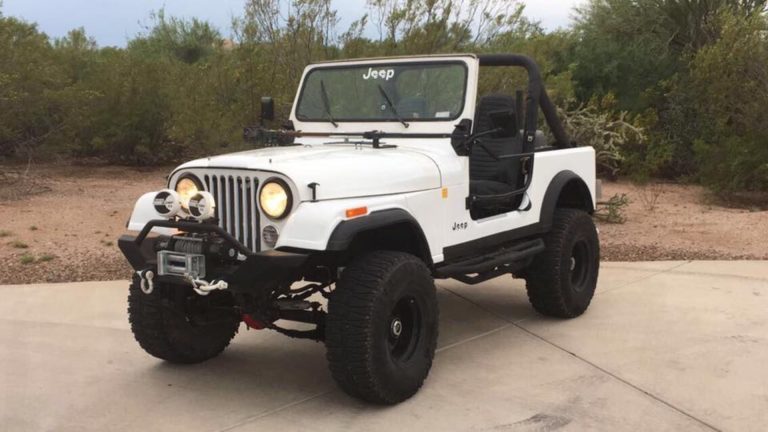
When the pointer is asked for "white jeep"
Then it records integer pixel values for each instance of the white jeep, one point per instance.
(391, 172)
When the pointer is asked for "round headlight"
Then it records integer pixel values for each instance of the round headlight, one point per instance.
(167, 203)
(187, 187)
(202, 206)
(275, 199)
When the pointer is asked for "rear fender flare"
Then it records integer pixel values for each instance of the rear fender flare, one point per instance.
(566, 189)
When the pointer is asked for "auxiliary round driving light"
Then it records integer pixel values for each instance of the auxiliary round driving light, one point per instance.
(202, 206)
(167, 203)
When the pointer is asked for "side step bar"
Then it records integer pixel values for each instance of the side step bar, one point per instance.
(489, 266)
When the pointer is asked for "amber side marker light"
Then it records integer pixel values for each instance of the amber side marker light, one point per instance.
(355, 212)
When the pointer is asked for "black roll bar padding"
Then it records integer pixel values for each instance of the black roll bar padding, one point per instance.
(519, 107)
(537, 97)
(191, 227)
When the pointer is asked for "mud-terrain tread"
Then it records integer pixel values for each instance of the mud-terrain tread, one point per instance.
(544, 276)
(148, 315)
(349, 339)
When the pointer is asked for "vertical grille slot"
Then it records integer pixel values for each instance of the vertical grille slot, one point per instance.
(256, 219)
(236, 207)
(230, 208)
(237, 193)
(248, 238)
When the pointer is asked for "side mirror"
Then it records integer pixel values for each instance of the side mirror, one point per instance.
(505, 123)
(267, 108)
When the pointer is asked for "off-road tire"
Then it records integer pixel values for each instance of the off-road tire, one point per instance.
(561, 280)
(163, 327)
(368, 358)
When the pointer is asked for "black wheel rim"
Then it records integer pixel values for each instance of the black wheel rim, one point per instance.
(579, 265)
(404, 329)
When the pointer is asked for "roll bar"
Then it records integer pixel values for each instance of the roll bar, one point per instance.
(537, 97)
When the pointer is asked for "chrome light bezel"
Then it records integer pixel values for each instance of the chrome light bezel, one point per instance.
(288, 194)
(198, 184)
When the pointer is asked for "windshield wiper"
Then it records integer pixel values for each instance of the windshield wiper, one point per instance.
(392, 106)
(326, 104)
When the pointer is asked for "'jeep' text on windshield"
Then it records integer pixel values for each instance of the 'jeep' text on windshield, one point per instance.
(385, 74)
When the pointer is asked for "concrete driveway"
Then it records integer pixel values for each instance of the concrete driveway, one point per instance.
(665, 346)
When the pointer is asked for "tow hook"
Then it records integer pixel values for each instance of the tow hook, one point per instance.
(204, 287)
(146, 277)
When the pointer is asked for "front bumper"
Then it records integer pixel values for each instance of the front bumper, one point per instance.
(255, 271)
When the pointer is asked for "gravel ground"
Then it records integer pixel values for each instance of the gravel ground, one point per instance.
(64, 225)
(68, 230)
(681, 222)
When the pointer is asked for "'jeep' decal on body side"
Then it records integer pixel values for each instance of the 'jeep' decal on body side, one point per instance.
(385, 74)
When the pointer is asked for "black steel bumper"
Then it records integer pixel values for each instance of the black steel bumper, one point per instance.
(256, 270)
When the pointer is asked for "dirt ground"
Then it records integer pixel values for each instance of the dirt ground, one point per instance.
(64, 225)
(681, 222)
(71, 225)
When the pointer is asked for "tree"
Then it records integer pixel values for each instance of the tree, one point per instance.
(29, 82)
(189, 41)
(729, 84)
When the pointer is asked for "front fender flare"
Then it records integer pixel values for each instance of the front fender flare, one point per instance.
(346, 231)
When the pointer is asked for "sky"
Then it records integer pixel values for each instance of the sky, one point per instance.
(114, 22)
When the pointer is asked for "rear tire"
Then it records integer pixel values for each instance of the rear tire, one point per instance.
(561, 280)
(175, 324)
(381, 328)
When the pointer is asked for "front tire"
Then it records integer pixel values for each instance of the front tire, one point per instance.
(381, 328)
(177, 325)
(561, 280)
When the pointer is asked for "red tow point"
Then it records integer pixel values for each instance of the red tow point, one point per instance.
(253, 323)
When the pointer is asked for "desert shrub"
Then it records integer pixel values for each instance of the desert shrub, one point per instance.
(649, 194)
(612, 134)
(612, 211)
(729, 81)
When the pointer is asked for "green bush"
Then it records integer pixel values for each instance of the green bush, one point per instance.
(729, 81)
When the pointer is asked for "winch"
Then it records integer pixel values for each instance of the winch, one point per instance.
(208, 244)
(188, 255)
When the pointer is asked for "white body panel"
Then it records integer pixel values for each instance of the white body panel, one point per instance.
(311, 225)
(340, 170)
(423, 177)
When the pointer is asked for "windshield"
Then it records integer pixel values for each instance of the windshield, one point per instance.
(384, 92)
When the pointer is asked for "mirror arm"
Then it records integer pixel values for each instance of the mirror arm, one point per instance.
(472, 138)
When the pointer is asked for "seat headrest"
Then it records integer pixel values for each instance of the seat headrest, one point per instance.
(489, 104)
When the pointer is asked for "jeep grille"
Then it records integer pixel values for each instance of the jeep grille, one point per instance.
(237, 206)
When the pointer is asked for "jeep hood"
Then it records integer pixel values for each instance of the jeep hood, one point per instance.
(340, 170)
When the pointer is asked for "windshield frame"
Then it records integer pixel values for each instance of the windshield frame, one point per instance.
(376, 64)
